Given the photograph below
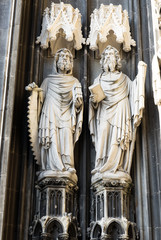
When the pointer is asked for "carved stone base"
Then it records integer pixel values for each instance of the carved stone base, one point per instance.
(119, 175)
(57, 174)
(56, 209)
(110, 210)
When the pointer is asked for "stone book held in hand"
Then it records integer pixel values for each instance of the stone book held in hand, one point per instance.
(97, 90)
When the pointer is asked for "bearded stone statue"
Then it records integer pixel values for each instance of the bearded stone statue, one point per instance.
(113, 119)
(55, 117)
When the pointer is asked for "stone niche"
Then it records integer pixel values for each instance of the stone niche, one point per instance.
(56, 187)
(56, 204)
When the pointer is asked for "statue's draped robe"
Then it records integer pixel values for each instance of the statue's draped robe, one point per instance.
(60, 122)
(111, 122)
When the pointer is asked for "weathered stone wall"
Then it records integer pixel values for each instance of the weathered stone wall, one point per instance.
(14, 36)
(9, 34)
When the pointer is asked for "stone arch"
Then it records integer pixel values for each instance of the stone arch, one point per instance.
(54, 228)
(115, 230)
(97, 231)
(37, 231)
(72, 232)
(131, 232)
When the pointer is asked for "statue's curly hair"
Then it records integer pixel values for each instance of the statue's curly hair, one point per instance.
(117, 55)
(63, 50)
(56, 57)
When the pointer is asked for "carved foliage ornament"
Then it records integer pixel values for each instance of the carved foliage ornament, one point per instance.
(105, 19)
(63, 19)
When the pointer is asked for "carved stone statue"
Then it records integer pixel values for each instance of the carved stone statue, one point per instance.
(115, 111)
(56, 115)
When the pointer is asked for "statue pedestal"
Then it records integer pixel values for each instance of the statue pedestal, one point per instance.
(110, 210)
(56, 208)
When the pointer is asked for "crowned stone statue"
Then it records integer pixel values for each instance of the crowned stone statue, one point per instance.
(115, 111)
(55, 117)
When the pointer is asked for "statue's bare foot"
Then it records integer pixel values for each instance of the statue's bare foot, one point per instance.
(39, 172)
(95, 170)
(71, 170)
(121, 169)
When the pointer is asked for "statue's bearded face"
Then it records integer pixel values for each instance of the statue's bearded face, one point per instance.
(109, 61)
(64, 62)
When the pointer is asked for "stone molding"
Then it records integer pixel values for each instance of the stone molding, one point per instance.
(59, 181)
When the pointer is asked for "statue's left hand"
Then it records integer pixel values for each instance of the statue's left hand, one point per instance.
(32, 86)
(46, 142)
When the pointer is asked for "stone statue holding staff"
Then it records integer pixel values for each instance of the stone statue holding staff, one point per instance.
(115, 111)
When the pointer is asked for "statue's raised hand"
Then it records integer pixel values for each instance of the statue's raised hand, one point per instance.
(32, 86)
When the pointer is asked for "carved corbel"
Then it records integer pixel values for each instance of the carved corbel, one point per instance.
(106, 19)
(61, 22)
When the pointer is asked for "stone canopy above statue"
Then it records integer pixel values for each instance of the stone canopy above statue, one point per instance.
(110, 25)
(61, 27)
